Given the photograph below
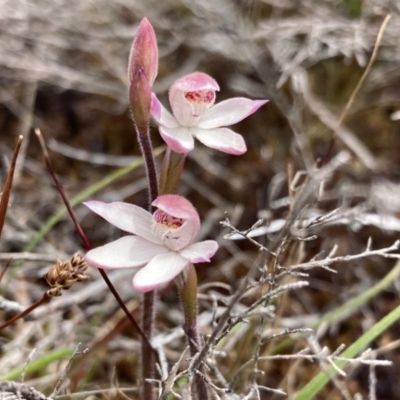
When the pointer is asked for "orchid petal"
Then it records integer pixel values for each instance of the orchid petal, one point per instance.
(200, 252)
(161, 114)
(126, 252)
(177, 206)
(179, 140)
(128, 217)
(229, 112)
(159, 271)
(188, 113)
(194, 81)
(222, 139)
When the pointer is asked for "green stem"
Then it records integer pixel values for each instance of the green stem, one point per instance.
(188, 293)
(149, 161)
(171, 171)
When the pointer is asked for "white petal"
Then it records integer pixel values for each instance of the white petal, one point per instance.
(125, 216)
(161, 114)
(229, 112)
(222, 139)
(126, 252)
(200, 252)
(179, 140)
(159, 271)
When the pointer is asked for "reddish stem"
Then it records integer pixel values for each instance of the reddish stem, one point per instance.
(86, 242)
(148, 358)
(8, 185)
(45, 298)
(3, 272)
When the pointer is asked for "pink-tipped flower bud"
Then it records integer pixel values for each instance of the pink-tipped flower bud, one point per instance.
(144, 53)
(140, 99)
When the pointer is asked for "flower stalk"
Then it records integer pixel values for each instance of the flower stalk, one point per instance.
(142, 71)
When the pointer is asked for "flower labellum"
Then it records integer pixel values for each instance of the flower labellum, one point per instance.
(161, 244)
(194, 115)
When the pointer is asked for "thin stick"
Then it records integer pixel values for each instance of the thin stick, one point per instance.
(4, 270)
(27, 362)
(8, 185)
(66, 369)
(44, 299)
(357, 88)
(28, 104)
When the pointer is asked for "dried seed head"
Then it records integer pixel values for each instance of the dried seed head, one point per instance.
(63, 274)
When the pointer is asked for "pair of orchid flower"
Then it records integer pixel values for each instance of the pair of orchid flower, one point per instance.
(162, 244)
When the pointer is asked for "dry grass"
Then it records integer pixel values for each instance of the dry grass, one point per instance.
(63, 69)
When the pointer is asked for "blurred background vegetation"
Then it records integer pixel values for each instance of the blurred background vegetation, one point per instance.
(63, 70)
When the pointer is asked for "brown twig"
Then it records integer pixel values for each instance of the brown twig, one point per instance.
(8, 185)
(86, 241)
(5, 268)
(357, 89)
(44, 299)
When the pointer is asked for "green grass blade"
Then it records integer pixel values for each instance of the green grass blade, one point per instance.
(39, 365)
(349, 307)
(318, 382)
(85, 194)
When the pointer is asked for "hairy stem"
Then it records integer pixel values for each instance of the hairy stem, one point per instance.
(148, 358)
(147, 151)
